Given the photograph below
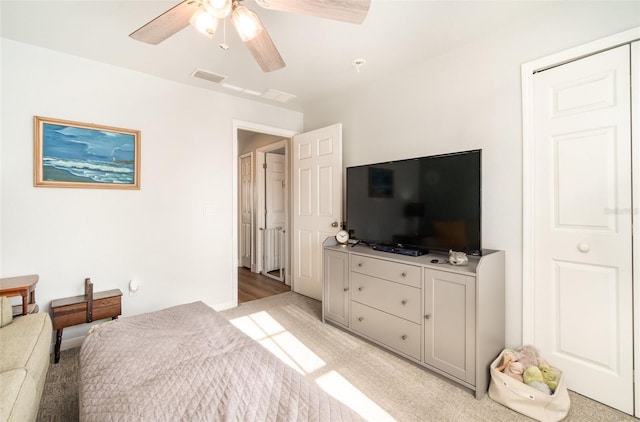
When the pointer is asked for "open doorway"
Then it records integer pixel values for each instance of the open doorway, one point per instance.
(272, 209)
(263, 213)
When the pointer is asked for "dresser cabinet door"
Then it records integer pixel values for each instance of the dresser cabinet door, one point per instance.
(336, 287)
(449, 324)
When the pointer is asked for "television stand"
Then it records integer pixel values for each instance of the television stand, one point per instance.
(446, 318)
(400, 250)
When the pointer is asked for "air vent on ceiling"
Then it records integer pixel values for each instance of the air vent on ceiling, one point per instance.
(209, 76)
(279, 96)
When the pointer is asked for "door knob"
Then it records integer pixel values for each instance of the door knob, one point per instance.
(583, 247)
(427, 316)
(335, 224)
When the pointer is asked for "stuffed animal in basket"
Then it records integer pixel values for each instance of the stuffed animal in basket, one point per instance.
(533, 378)
(530, 356)
(515, 362)
(549, 376)
(510, 365)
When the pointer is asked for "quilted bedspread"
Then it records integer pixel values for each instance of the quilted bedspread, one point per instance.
(188, 363)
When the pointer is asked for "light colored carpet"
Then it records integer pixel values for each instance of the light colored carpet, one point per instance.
(374, 382)
(377, 384)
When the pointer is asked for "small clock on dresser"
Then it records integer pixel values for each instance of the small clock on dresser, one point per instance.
(342, 237)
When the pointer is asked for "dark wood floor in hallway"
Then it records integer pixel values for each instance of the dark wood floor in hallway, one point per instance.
(252, 286)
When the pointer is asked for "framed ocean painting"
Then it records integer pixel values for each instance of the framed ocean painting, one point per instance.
(83, 155)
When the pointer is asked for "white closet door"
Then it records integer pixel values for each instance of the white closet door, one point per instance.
(635, 125)
(583, 233)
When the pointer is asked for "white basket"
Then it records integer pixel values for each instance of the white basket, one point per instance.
(518, 396)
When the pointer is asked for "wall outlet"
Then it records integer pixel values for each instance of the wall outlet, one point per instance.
(134, 288)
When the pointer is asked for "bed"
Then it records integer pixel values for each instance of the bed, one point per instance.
(188, 363)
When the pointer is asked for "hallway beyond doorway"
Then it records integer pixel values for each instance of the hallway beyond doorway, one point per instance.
(252, 286)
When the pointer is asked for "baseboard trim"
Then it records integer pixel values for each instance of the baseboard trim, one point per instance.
(68, 344)
(224, 306)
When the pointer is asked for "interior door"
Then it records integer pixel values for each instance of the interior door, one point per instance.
(246, 209)
(583, 211)
(275, 214)
(635, 142)
(317, 203)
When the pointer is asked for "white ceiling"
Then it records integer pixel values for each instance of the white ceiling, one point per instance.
(318, 52)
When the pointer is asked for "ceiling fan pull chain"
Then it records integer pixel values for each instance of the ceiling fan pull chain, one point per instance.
(223, 44)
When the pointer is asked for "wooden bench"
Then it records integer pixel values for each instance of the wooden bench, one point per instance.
(82, 309)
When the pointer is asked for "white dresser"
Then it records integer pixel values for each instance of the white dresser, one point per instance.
(445, 318)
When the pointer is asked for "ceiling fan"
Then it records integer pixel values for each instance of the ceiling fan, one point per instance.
(205, 14)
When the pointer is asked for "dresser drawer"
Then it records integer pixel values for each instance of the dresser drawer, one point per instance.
(410, 275)
(106, 308)
(66, 316)
(395, 333)
(394, 298)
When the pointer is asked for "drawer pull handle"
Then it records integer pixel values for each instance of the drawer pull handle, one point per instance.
(404, 302)
(360, 318)
(359, 289)
(427, 316)
(346, 289)
(404, 337)
(404, 274)
(359, 264)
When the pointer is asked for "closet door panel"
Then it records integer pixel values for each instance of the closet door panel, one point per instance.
(635, 125)
(583, 215)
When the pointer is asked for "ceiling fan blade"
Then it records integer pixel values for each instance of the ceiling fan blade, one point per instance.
(167, 24)
(265, 52)
(351, 11)
(255, 36)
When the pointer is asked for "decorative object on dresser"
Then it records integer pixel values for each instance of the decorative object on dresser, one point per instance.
(82, 309)
(24, 286)
(447, 319)
(458, 258)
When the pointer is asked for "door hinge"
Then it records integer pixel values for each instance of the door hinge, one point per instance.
(264, 165)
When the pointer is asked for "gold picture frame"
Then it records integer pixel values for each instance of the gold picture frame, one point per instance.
(85, 155)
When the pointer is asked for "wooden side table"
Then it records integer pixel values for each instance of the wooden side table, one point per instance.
(24, 286)
(82, 309)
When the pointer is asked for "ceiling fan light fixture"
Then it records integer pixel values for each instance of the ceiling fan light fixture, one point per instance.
(218, 8)
(247, 23)
(205, 23)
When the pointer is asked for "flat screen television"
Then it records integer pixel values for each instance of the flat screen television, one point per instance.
(421, 204)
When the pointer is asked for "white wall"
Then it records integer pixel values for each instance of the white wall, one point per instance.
(174, 235)
(466, 99)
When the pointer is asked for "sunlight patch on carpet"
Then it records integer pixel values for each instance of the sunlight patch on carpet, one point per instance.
(263, 328)
(337, 386)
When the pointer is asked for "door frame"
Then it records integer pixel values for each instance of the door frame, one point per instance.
(259, 202)
(254, 127)
(528, 232)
